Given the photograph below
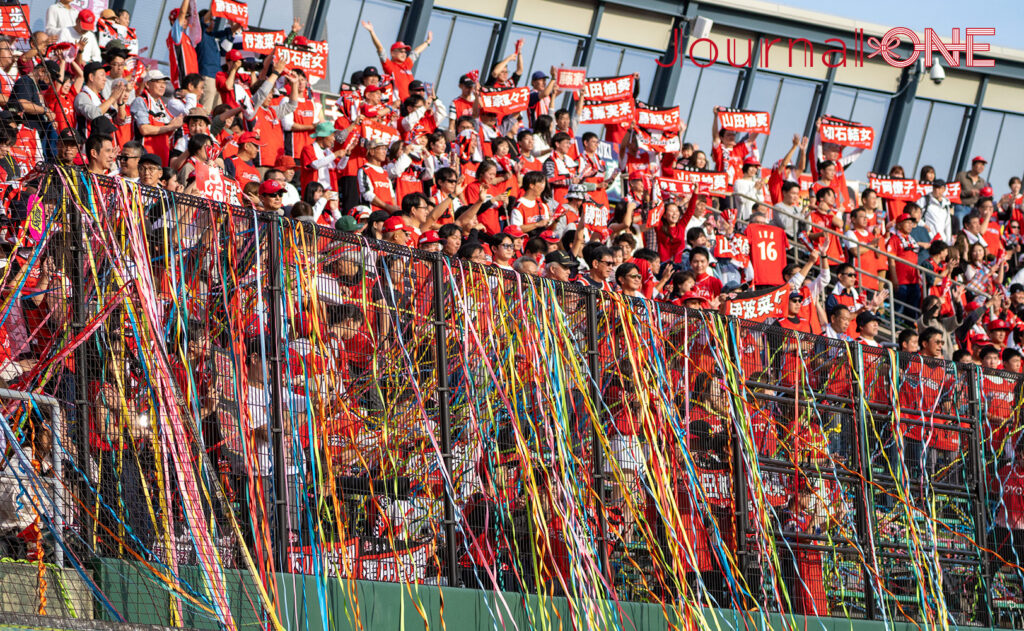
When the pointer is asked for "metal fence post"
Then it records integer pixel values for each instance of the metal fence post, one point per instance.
(278, 435)
(739, 468)
(977, 399)
(80, 317)
(596, 454)
(444, 418)
(865, 494)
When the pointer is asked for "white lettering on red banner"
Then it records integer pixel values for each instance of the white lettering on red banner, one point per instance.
(607, 113)
(373, 131)
(651, 118)
(570, 79)
(311, 62)
(740, 120)
(759, 306)
(845, 133)
(716, 182)
(261, 42)
(14, 21)
(894, 188)
(612, 89)
(237, 12)
(505, 102)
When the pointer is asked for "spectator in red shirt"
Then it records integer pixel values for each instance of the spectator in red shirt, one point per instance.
(403, 58)
(707, 285)
(906, 279)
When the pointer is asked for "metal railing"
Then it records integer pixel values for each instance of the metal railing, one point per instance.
(326, 404)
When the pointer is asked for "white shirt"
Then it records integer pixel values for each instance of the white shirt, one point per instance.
(87, 42)
(324, 162)
(745, 190)
(938, 217)
(59, 17)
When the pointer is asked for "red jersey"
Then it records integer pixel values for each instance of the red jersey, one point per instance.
(834, 248)
(730, 159)
(401, 75)
(63, 105)
(182, 57)
(1009, 486)
(296, 141)
(768, 245)
(905, 247)
(708, 287)
(245, 172)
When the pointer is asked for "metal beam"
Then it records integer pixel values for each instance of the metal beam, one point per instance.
(500, 43)
(897, 119)
(972, 127)
(747, 83)
(591, 40)
(417, 22)
(670, 65)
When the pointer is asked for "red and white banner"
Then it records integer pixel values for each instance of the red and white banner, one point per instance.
(14, 21)
(659, 142)
(371, 130)
(668, 187)
(895, 188)
(570, 79)
(610, 89)
(760, 305)
(665, 119)
(262, 42)
(311, 62)
(231, 10)
(742, 120)
(717, 182)
(214, 186)
(846, 133)
(505, 102)
(354, 559)
(607, 113)
(806, 184)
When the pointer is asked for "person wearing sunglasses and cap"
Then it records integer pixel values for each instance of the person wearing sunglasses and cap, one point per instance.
(403, 58)
(272, 197)
(152, 120)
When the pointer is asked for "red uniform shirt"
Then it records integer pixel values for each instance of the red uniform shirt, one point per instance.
(401, 74)
(768, 245)
(905, 248)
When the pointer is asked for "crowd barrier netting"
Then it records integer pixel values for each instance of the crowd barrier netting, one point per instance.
(237, 395)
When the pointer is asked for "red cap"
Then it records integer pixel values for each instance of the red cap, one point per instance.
(636, 175)
(693, 296)
(751, 162)
(249, 136)
(975, 304)
(999, 325)
(234, 55)
(88, 19)
(904, 217)
(400, 46)
(372, 88)
(986, 191)
(430, 236)
(978, 159)
(173, 15)
(300, 41)
(285, 162)
(515, 232)
(549, 236)
(396, 223)
(269, 187)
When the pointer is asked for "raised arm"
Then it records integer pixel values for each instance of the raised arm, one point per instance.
(373, 36)
(422, 47)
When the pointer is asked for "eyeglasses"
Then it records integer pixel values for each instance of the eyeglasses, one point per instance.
(506, 246)
(604, 262)
(123, 158)
(848, 274)
(446, 181)
(277, 194)
(633, 276)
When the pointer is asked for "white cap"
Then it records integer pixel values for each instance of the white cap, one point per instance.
(156, 75)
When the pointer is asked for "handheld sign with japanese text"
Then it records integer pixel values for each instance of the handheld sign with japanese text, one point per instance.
(231, 10)
(312, 62)
(570, 79)
(609, 89)
(504, 102)
(741, 120)
(846, 133)
(262, 42)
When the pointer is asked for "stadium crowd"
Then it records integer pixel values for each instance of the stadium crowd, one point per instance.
(390, 160)
(386, 158)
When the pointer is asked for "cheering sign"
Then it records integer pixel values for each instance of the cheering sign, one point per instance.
(612, 89)
(845, 133)
(372, 131)
(570, 79)
(659, 143)
(231, 10)
(607, 113)
(894, 188)
(14, 21)
(311, 62)
(212, 185)
(261, 42)
(741, 120)
(666, 119)
(505, 102)
(760, 305)
(717, 182)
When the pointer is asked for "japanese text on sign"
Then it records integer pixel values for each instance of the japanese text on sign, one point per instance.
(570, 79)
(313, 63)
(237, 12)
(750, 122)
(612, 89)
(261, 42)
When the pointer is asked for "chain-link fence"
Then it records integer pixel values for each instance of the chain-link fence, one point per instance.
(221, 396)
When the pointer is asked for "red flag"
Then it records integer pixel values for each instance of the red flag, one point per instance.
(14, 21)
(759, 306)
(262, 42)
(231, 10)
(504, 102)
(608, 89)
(846, 133)
(742, 120)
(665, 119)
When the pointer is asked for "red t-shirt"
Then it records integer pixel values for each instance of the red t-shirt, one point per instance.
(768, 245)
(708, 286)
(905, 248)
(401, 73)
